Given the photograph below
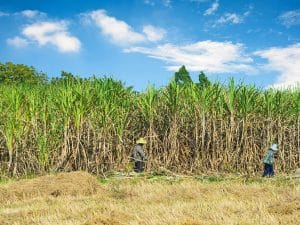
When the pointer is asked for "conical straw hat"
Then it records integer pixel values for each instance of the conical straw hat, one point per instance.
(141, 141)
(274, 147)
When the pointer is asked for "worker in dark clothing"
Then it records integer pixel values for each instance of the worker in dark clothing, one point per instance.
(138, 155)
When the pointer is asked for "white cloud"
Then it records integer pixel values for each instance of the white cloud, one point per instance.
(214, 7)
(286, 61)
(233, 18)
(154, 33)
(32, 13)
(199, 1)
(17, 42)
(3, 14)
(209, 56)
(230, 18)
(290, 18)
(149, 2)
(117, 31)
(53, 33)
(166, 3)
(120, 33)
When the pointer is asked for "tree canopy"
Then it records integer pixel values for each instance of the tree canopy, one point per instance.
(11, 73)
(183, 77)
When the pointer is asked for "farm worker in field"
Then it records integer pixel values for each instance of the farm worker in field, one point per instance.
(268, 160)
(138, 155)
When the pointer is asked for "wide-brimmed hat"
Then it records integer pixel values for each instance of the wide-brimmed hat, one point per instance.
(296, 174)
(141, 141)
(274, 147)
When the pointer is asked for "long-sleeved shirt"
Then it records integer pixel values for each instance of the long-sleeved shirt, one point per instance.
(269, 157)
(138, 153)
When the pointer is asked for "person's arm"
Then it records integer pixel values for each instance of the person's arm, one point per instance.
(145, 157)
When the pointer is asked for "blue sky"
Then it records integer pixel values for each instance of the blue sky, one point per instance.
(146, 41)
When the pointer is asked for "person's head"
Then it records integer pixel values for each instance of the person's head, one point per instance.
(274, 147)
(141, 141)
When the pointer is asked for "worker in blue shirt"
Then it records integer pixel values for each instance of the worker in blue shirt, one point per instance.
(269, 159)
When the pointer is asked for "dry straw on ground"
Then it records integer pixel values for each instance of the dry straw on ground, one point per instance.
(74, 184)
(159, 201)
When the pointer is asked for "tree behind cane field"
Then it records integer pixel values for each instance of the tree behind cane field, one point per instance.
(72, 123)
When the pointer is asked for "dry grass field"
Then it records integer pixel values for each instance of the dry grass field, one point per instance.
(79, 198)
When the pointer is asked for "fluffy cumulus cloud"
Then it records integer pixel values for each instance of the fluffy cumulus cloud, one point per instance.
(290, 18)
(214, 7)
(154, 33)
(286, 61)
(52, 33)
(209, 56)
(17, 42)
(120, 33)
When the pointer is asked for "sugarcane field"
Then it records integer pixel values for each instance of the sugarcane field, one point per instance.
(200, 150)
(149, 112)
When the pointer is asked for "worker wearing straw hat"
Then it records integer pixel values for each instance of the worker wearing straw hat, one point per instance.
(138, 155)
(268, 161)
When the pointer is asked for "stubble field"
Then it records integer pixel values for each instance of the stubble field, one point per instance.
(80, 198)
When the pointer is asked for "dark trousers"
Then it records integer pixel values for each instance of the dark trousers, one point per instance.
(268, 170)
(139, 166)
